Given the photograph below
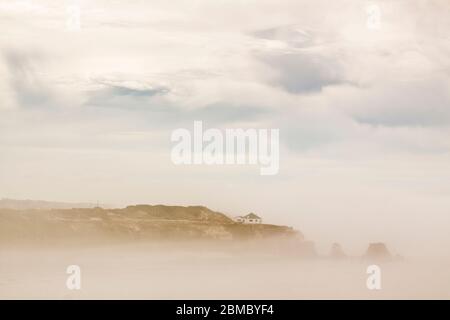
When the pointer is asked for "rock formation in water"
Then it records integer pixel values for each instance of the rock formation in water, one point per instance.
(337, 252)
(378, 251)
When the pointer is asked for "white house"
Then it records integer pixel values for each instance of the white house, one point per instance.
(249, 218)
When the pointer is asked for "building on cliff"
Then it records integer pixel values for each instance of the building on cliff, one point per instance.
(250, 218)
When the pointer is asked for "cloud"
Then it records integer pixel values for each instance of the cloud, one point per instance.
(301, 73)
(22, 79)
(124, 97)
(304, 61)
(291, 35)
(417, 103)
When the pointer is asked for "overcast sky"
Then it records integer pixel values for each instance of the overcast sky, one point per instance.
(86, 111)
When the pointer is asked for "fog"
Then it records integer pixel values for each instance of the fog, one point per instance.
(159, 271)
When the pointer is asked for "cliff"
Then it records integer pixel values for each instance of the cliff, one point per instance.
(133, 223)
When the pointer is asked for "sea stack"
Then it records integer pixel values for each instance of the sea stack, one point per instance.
(378, 251)
(337, 252)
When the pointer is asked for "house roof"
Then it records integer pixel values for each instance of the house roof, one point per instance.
(252, 216)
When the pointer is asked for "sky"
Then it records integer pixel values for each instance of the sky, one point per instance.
(359, 90)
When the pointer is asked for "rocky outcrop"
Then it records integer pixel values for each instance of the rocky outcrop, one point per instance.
(176, 213)
(337, 252)
(378, 251)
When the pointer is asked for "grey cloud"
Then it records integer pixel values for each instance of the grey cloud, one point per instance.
(124, 91)
(301, 73)
(414, 104)
(23, 79)
(152, 110)
(292, 35)
(124, 97)
(413, 118)
(303, 66)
